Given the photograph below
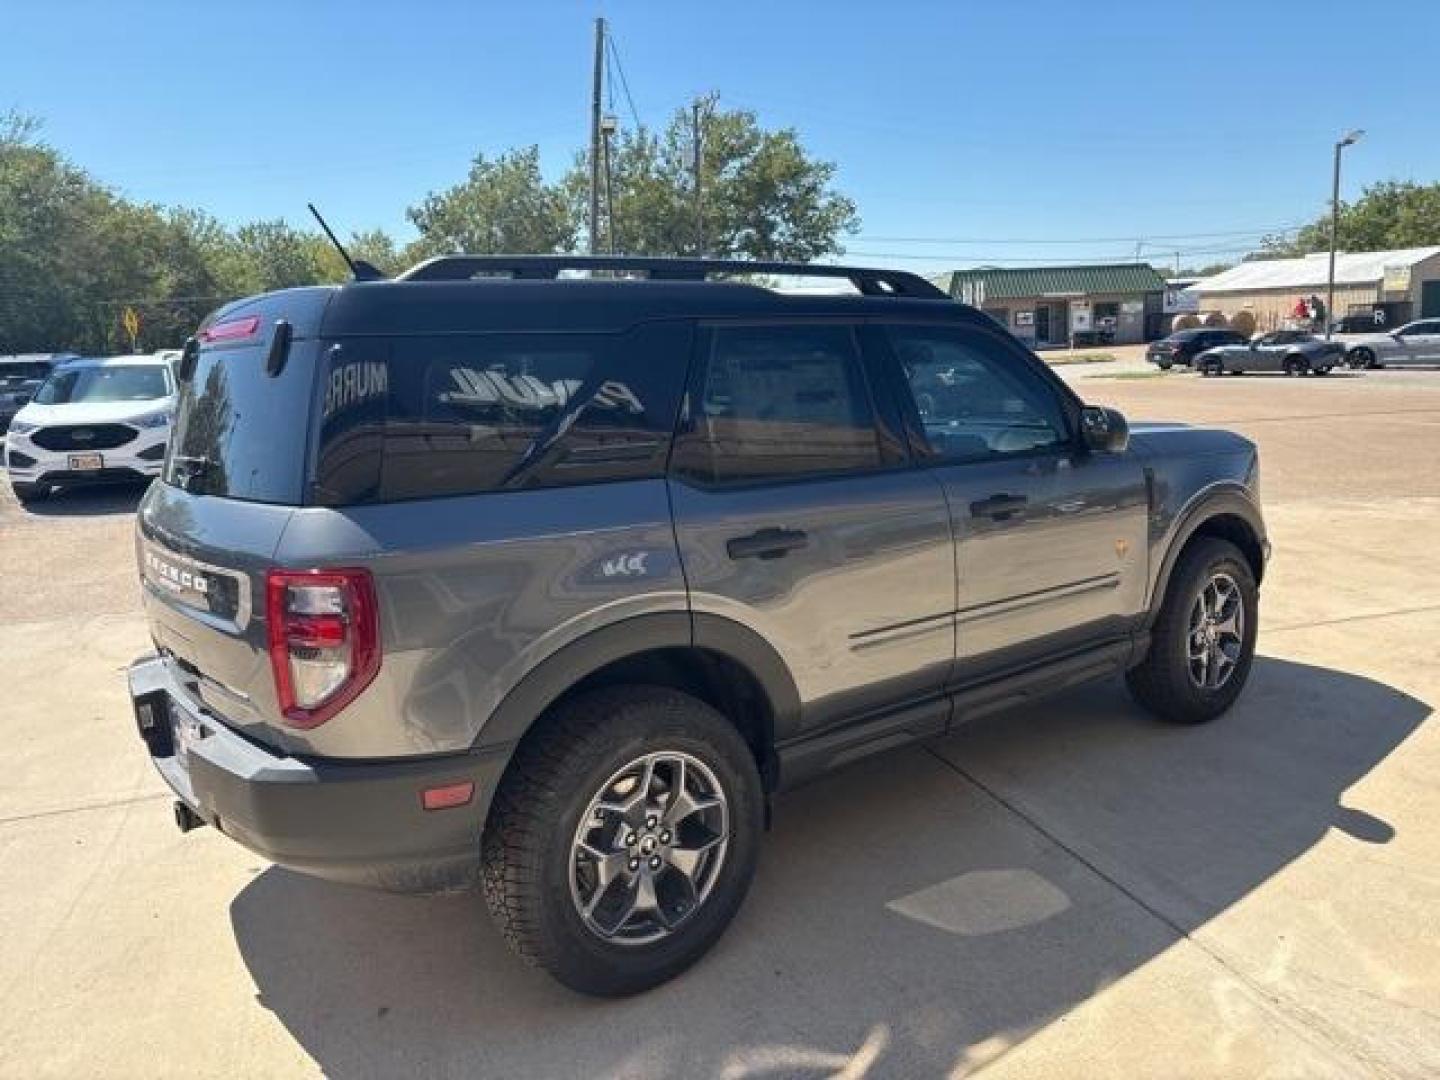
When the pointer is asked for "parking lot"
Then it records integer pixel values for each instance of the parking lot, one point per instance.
(1073, 890)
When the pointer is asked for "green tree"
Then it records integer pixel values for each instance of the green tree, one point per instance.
(1390, 214)
(266, 255)
(378, 248)
(73, 254)
(504, 205)
(762, 195)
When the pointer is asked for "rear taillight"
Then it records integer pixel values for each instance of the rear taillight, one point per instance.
(324, 640)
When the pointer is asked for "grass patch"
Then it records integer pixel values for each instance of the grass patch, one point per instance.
(1077, 358)
(1137, 375)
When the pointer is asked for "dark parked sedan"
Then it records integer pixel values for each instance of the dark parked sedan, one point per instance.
(19, 378)
(1183, 346)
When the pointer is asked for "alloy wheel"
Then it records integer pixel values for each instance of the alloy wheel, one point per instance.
(1215, 637)
(649, 848)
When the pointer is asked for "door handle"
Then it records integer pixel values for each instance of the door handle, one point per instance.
(998, 507)
(766, 544)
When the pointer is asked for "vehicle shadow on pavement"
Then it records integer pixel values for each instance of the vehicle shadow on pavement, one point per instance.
(921, 911)
(89, 502)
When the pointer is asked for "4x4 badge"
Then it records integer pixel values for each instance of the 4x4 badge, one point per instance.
(625, 565)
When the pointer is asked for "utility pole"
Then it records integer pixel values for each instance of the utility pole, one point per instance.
(701, 109)
(595, 137)
(607, 129)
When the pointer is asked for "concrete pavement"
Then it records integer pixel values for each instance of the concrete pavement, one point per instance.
(1071, 891)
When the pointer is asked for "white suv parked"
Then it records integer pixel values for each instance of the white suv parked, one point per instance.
(92, 421)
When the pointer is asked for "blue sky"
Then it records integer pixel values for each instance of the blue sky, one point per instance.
(1083, 127)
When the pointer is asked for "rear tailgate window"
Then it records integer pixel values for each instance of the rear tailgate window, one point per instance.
(241, 433)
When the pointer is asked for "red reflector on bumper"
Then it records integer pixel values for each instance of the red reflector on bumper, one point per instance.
(448, 796)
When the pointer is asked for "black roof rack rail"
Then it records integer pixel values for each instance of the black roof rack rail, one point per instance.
(870, 282)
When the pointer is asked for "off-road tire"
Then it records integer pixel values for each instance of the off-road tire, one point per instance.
(557, 770)
(1162, 683)
(26, 494)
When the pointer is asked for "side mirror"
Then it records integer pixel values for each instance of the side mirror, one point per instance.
(1104, 430)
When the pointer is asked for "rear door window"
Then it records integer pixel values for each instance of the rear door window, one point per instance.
(779, 402)
(428, 416)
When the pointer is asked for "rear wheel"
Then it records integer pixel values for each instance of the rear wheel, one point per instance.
(29, 493)
(1296, 365)
(1321, 370)
(623, 838)
(1203, 641)
(1210, 366)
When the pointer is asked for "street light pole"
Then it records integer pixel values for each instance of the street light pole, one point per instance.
(1349, 140)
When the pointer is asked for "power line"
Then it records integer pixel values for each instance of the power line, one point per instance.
(624, 82)
(1145, 238)
(1033, 261)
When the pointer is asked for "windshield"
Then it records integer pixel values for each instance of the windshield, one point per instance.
(99, 384)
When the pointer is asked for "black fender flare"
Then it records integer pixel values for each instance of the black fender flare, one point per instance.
(543, 685)
(1230, 499)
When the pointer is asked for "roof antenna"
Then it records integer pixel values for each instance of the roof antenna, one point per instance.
(360, 270)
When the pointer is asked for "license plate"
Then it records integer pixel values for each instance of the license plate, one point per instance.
(86, 462)
(187, 733)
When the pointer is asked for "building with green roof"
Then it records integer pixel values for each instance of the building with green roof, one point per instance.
(1055, 305)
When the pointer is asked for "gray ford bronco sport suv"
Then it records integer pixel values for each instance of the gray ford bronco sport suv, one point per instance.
(490, 573)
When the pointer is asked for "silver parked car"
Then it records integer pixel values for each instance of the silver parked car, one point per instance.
(1414, 343)
(1294, 352)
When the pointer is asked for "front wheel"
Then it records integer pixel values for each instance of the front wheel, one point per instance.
(1361, 359)
(1296, 366)
(1211, 367)
(623, 838)
(1203, 641)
